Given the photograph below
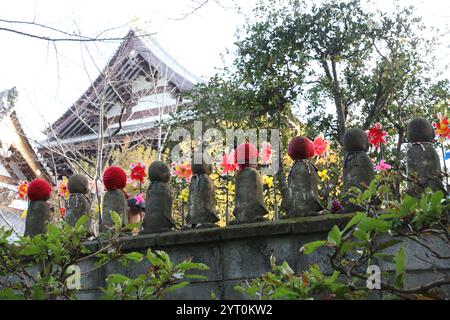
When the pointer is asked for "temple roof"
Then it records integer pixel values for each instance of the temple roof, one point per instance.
(134, 47)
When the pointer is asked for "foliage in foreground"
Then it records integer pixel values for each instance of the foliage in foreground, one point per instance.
(369, 238)
(45, 266)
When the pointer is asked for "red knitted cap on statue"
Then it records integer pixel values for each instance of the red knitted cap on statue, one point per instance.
(300, 148)
(39, 190)
(246, 155)
(114, 178)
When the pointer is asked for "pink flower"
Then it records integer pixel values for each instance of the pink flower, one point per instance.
(382, 166)
(376, 136)
(320, 145)
(228, 163)
(266, 152)
(139, 198)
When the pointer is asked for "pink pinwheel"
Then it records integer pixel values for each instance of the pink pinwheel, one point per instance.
(382, 166)
(376, 136)
(139, 198)
(266, 152)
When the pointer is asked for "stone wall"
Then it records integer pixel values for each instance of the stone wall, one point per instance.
(241, 252)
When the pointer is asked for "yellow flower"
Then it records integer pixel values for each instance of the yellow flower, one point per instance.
(230, 186)
(24, 214)
(184, 195)
(323, 175)
(321, 161)
(267, 180)
(332, 158)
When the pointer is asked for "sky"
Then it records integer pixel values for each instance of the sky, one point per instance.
(49, 79)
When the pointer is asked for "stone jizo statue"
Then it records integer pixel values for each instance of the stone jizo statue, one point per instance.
(249, 198)
(158, 201)
(114, 179)
(202, 198)
(358, 168)
(423, 163)
(78, 203)
(302, 198)
(38, 213)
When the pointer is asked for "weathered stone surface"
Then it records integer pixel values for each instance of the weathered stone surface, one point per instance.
(158, 208)
(358, 169)
(78, 184)
(355, 139)
(159, 171)
(420, 130)
(249, 199)
(201, 168)
(38, 217)
(302, 197)
(114, 200)
(77, 205)
(424, 169)
(202, 202)
(244, 252)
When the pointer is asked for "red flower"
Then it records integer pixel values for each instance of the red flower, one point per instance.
(246, 155)
(22, 189)
(138, 172)
(114, 178)
(300, 148)
(320, 145)
(39, 189)
(376, 136)
(63, 212)
(228, 163)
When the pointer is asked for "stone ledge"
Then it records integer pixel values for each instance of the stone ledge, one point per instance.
(301, 225)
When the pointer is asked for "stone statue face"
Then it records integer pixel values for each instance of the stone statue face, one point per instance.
(78, 184)
(356, 139)
(159, 171)
(201, 168)
(420, 130)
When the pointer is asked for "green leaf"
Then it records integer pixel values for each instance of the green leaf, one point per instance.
(400, 266)
(334, 236)
(188, 265)
(355, 220)
(117, 219)
(81, 223)
(134, 256)
(310, 247)
(177, 286)
(361, 234)
(195, 276)
(154, 259)
(116, 278)
(30, 250)
(38, 292)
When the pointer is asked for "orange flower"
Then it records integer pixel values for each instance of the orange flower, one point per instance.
(22, 189)
(442, 127)
(182, 171)
(63, 189)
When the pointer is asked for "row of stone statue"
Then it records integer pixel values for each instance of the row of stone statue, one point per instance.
(302, 193)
